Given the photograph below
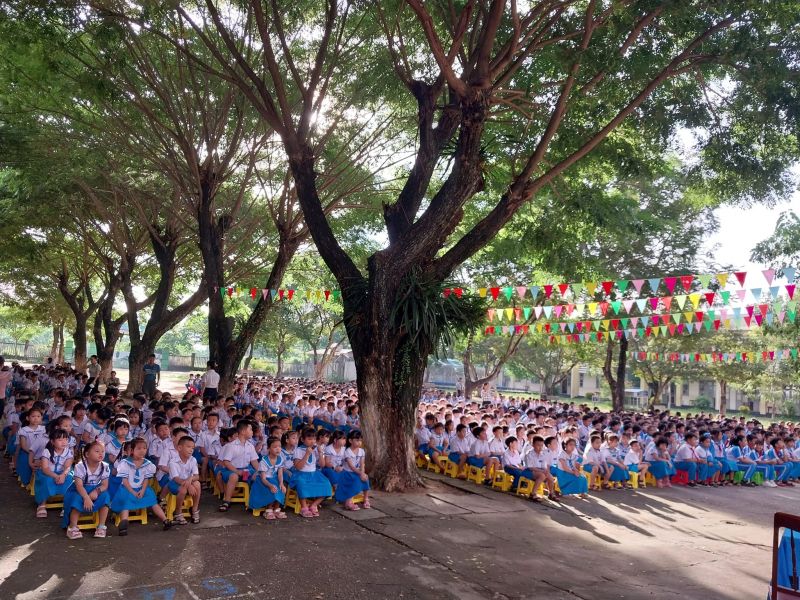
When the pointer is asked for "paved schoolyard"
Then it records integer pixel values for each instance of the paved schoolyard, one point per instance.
(452, 540)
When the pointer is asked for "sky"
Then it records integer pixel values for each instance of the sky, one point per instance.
(741, 229)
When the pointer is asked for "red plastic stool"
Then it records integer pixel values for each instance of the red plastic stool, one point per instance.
(680, 478)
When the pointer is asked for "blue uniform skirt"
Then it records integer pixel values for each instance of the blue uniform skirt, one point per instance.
(114, 483)
(333, 476)
(12, 443)
(349, 486)
(46, 487)
(124, 500)
(311, 484)
(474, 461)
(619, 475)
(261, 496)
(660, 469)
(23, 468)
(73, 501)
(569, 483)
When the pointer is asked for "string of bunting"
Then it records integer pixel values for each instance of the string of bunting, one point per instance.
(717, 357)
(288, 294)
(608, 288)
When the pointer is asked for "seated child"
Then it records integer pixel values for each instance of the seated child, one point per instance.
(54, 475)
(184, 480)
(353, 480)
(594, 463)
(268, 489)
(134, 492)
(311, 485)
(238, 457)
(89, 491)
(635, 464)
(568, 471)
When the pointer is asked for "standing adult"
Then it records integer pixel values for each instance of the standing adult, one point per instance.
(94, 369)
(152, 376)
(210, 382)
(6, 375)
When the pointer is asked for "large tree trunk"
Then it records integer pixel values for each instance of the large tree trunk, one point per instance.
(54, 345)
(723, 396)
(608, 372)
(249, 357)
(79, 338)
(622, 363)
(137, 358)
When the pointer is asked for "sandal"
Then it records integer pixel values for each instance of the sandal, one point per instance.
(224, 507)
(306, 513)
(269, 515)
(179, 520)
(41, 512)
(122, 529)
(279, 514)
(315, 511)
(101, 532)
(74, 533)
(366, 504)
(351, 506)
(196, 517)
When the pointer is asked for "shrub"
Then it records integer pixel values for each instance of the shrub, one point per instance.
(703, 403)
(745, 410)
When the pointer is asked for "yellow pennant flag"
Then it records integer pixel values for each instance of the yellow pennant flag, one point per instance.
(689, 316)
(592, 308)
(509, 313)
(591, 286)
(722, 278)
(482, 292)
(695, 299)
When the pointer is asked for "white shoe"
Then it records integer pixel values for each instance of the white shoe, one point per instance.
(771, 484)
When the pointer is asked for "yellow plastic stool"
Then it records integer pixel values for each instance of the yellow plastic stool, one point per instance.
(525, 487)
(241, 493)
(172, 501)
(475, 474)
(135, 516)
(292, 501)
(634, 480)
(502, 481)
(451, 468)
(91, 521)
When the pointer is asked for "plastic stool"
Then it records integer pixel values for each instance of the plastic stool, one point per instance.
(502, 481)
(525, 487)
(135, 516)
(91, 521)
(186, 509)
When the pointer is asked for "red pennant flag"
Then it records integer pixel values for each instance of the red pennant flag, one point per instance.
(790, 291)
(654, 303)
(648, 331)
(667, 300)
(459, 292)
(699, 316)
(670, 283)
(759, 319)
(487, 331)
(495, 292)
(517, 314)
(740, 277)
(607, 287)
(446, 292)
(717, 324)
(603, 308)
(525, 328)
(230, 292)
(547, 327)
(562, 289)
(579, 326)
(763, 308)
(253, 293)
(280, 294)
(599, 337)
(614, 323)
(672, 329)
(686, 281)
(764, 355)
(749, 310)
(327, 295)
(291, 294)
(747, 320)
(548, 290)
(710, 298)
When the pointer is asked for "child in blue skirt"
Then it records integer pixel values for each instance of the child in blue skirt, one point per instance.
(657, 455)
(332, 461)
(568, 471)
(88, 492)
(134, 492)
(353, 480)
(311, 485)
(54, 475)
(268, 489)
(31, 439)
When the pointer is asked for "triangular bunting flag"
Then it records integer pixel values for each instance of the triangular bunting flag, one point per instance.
(769, 275)
(507, 291)
(740, 277)
(686, 281)
(654, 282)
(704, 280)
(622, 285)
(521, 291)
(637, 284)
(670, 283)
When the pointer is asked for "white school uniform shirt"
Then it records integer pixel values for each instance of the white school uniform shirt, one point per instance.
(269, 469)
(651, 453)
(572, 459)
(632, 458)
(462, 446)
(423, 435)
(210, 379)
(238, 453)
(497, 447)
(89, 477)
(336, 457)
(538, 460)
(36, 437)
(183, 470)
(512, 459)
(592, 456)
(354, 457)
(93, 429)
(437, 440)
(169, 454)
(136, 476)
(208, 440)
(157, 446)
(479, 447)
(55, 459)
(310, 464)
(686, 452)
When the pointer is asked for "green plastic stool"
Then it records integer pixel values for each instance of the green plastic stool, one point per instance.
(758, 478)
(738, 476)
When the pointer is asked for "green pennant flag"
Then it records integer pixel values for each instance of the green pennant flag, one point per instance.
(622, 285)
(790, 315)
(596, 325)
(791, 305)
(726, 297)
(527, 312)
(793, 352)
(664, 330)
(616, 305)
(508, 291)
(336, 295)
(708, 324)
(711, 316)
(704, 279)
(624, 323)
(677, 318)
(681, 300)
(640, 331)
(577, 288)
(222, 292)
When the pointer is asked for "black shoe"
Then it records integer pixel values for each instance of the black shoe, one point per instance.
(692, 484)
(122, 530)
(167, 524)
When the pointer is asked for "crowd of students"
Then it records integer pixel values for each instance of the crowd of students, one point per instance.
(572, 449)
(106, 453)
(117, 453)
